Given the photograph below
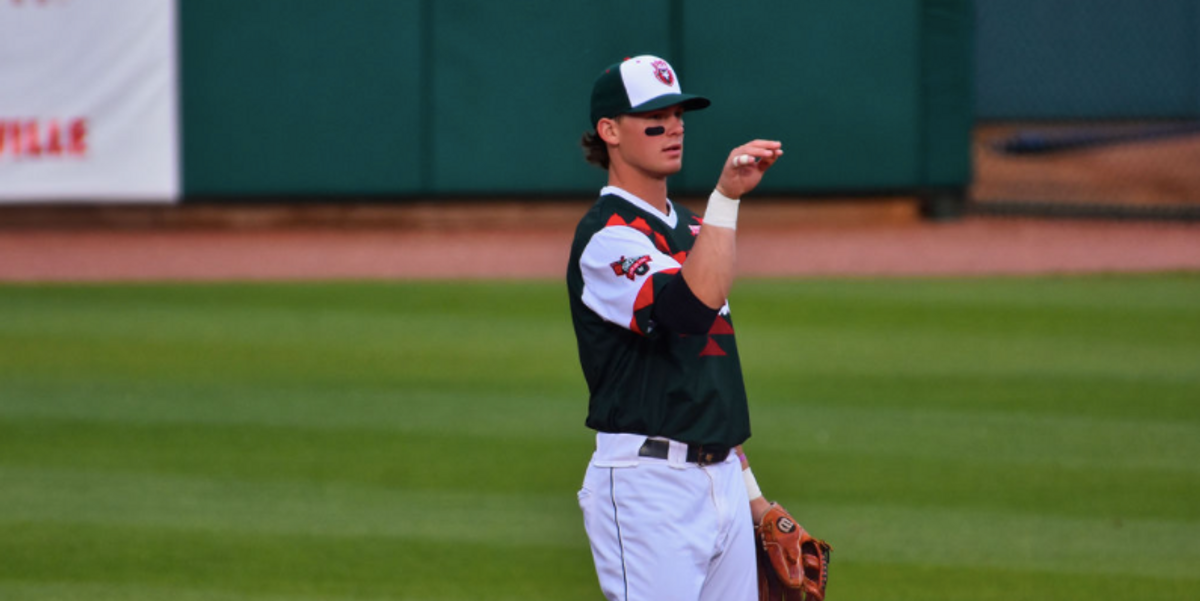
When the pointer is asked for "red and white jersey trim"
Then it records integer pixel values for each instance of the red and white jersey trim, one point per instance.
(671, 218)
(618, 261)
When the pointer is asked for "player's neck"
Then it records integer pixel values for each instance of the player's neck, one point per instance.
(653, 190)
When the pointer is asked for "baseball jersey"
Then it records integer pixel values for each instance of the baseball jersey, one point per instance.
(643, 379)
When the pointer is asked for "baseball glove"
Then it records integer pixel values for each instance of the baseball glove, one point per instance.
(792, 566)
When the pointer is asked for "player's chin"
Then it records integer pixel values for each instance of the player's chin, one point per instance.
(671, 163)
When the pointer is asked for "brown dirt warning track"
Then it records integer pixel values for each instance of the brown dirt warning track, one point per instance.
(513, 239)
(531, 239)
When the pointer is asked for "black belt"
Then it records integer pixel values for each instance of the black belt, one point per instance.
(703, 454)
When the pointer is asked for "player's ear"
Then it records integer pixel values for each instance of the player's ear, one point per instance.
(607, 130)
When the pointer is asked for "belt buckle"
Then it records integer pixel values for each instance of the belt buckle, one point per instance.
(704, 456)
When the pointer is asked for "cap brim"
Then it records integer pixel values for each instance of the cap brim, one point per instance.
(690, 102)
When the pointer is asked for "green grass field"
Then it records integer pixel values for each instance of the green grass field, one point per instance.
(965, 439)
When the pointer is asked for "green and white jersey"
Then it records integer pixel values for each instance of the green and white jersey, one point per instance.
(643, 379)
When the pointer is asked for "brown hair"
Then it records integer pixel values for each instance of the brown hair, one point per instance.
(595, 150)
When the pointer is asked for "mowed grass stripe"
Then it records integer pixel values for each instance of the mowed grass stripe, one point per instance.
(149, 500)
(1023, 429)
(273, 565)
(1138, 328)
(1093, 493)
(859, 454)
(427, 461)
(76, 591)
(987, 436)
(897, 581)
(395, 336)
(1053, 395)
(885, 531)
(856, 581)
(928, 537)
(533, 414)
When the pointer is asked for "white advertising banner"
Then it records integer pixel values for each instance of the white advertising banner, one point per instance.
(88, 101)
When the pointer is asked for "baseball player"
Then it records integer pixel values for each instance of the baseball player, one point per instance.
(668, 509)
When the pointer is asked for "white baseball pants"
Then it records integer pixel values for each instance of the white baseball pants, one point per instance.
(666, 529)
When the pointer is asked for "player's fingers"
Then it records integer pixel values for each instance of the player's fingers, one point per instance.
(764, 146)
(752, 156)
(756, 152)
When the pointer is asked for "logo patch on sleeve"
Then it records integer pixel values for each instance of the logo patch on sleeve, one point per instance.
(631, 268)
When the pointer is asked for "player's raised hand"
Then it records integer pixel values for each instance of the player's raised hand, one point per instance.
(746, 165)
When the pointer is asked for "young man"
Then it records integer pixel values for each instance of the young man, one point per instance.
(665, 499)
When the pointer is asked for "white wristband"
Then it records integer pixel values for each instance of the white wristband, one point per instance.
(752, 490)
(722, 211)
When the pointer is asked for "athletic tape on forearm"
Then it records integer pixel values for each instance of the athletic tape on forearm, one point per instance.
(722, 211)
(752, 489)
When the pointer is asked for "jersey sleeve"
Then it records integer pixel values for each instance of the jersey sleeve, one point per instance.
(622, 269)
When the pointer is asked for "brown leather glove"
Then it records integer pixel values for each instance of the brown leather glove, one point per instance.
(792, 566)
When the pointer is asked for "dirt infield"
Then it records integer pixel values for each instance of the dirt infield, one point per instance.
(531, 240)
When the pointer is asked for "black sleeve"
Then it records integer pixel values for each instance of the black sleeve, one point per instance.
(677, 309)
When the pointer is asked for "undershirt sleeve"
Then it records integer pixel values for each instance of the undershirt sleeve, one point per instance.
(676, 308)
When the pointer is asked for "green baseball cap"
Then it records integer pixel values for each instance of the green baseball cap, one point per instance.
(639, 84)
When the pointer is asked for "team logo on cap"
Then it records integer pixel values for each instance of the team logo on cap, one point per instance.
(662, 71)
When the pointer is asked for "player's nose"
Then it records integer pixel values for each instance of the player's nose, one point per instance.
(675, 126)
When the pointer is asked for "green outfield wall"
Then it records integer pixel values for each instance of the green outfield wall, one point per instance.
(1088, 59)
(397, 98)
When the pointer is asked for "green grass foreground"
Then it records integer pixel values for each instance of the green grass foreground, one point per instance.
(968, 439)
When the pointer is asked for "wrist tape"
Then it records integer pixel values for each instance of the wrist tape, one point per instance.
(722, 211)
